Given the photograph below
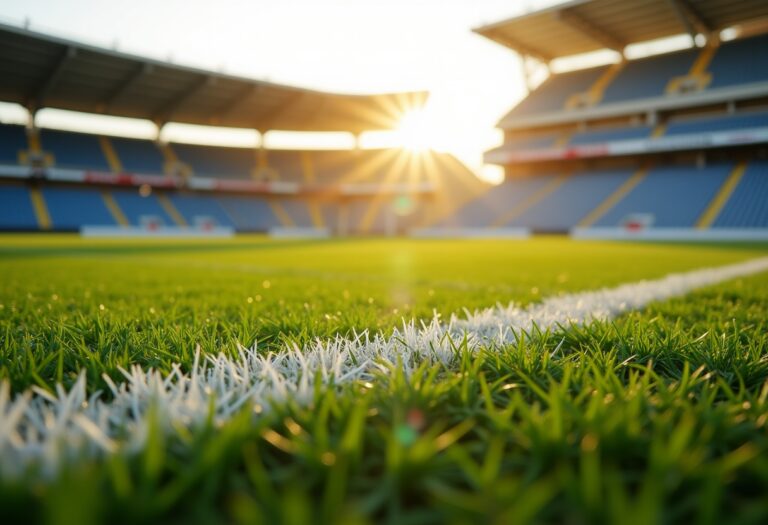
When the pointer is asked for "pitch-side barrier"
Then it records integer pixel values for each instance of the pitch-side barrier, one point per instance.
(672, 234)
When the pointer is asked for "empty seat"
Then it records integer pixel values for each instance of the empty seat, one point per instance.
(607, 135)
(196, 208)
(572, 201)
(740, 61)
(13, 140)
(717, 123)
(648, 77)
(674, 196)
(74, 150)
(16, 211)
(212, 161)
(138, 156)
(248, 213)
(72, 208)
(556, 90)
(135, 206)
(748, 204)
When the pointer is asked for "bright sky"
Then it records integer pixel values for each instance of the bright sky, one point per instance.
(348, 46)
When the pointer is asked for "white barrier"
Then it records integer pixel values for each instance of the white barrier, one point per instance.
(161, 232)
(470, 233)
(672, 234)
(299, 233)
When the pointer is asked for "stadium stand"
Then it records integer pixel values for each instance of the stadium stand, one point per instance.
(219, 162)
(747, 207)
(717, 123)
(136, 207)
(674, 141)
(74, 150)
(70, 208)
(249, 214)
(740, 62)
(13, 141)
(605, 135)
(674, 196)
(139, 156)
(198, 210)
(16, 210)
(553, 94)
(648, 77)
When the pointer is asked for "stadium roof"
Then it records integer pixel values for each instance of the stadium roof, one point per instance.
(581, 26)
(39, 71)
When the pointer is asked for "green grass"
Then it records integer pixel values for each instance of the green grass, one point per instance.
(657, 417)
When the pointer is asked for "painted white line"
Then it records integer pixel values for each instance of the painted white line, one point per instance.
(44, 431)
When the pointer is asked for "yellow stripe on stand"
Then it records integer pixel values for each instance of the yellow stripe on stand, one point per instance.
(659, 131)
(114, 208)
(281, 214)
(171, 210)
(721, 199)
(530, 202)
(595, 93)
(111, 155)
(613, 199)
(41, 209)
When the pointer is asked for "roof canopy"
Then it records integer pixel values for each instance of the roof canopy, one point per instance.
(41, 71)
(581, 26)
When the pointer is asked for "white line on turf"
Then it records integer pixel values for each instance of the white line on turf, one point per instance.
(43, 431)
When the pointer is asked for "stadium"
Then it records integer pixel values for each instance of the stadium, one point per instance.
(345, 328)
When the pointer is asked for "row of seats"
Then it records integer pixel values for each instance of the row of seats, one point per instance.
(70, 208)
(737, 62)
(673, 196)
(678, 126)
(82, 151)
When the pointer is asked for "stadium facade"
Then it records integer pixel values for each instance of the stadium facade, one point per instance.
(672, 145)
(67, 181)
(665, 146)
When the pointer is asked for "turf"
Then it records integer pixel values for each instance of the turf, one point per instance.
(657, 417)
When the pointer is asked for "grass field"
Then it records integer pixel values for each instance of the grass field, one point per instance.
(658, 416)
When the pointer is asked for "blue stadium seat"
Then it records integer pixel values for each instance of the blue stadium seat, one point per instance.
(740, 62)
(483, 211)
(748, 205)
(134, 206)
(718, 123)
(13, 139)
(555, 91)
(298, 211)
(572, 201)
(286, 165)
(211, 161)
(74, 150)
(648, 77)
(194, 206)
(71, 208)
(606, 135)
(249, 213)
(676, 196)
(138, 156)
(16, 211)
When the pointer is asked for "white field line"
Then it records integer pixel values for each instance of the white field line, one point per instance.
(43, 431)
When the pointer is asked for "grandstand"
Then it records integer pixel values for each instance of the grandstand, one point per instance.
(673, 142)
(66, 181)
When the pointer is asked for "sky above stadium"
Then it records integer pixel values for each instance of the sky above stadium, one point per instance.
(350, 46)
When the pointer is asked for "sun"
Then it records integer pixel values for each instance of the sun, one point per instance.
(417, 132)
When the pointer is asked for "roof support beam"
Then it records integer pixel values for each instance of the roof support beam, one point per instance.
(590, 30)
(270, 116)
(234, 102)
(53, 76)
(166, 111)
(520, 48)
(125, 85)
(692, 20)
